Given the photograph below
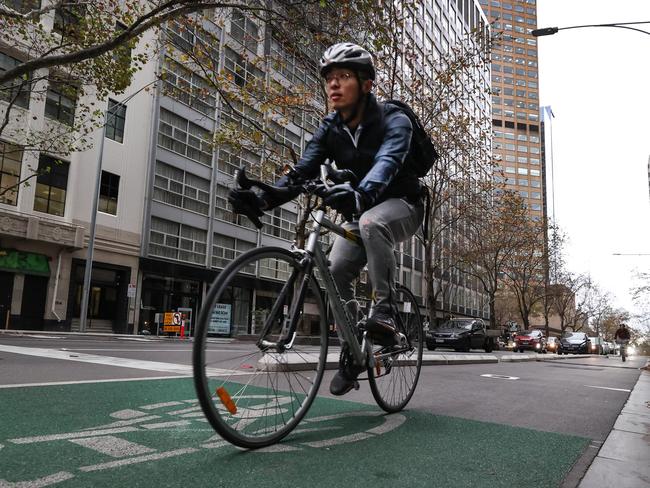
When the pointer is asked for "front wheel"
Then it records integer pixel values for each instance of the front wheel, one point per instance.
(397, 368)
(254, 393)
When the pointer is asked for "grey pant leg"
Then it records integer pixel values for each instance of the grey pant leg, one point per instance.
(382, 227)
(346, 261)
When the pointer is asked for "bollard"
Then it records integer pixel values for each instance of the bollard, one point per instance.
(183, 330)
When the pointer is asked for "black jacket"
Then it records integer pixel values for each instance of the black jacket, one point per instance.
(380, 158)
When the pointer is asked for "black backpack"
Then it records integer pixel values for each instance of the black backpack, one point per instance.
(422, 153)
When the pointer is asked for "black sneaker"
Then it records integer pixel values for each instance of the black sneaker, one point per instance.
(346, 377)
(381, 327)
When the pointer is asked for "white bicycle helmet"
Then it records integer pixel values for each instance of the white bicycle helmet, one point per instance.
(347, 55)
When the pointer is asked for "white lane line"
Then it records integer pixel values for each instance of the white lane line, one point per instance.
(608, 388)
(122, 350)
(136, 460)
(83, 382)
(500, 376)
(115, 361)
(71, 435)
(39, 483)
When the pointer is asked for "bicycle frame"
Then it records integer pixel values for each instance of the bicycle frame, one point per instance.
(312, 255)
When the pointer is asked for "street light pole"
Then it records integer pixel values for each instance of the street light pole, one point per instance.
(85, 293)
(549, 31)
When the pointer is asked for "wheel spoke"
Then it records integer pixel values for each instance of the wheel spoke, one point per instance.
(272, 390)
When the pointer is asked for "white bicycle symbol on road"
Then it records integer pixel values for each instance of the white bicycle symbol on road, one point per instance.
(185, 415)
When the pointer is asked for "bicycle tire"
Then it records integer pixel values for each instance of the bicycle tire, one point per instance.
(271, 392)
(395, 375)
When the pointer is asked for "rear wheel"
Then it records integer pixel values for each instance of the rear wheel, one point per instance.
(254, 394)
(397, 368)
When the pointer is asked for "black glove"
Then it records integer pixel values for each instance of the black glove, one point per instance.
(346, 200)
(246, 202)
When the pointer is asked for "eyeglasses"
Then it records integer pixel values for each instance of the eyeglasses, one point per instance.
(339, 77)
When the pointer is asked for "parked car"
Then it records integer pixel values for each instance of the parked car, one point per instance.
(574, 342)
(462, 335)
(530, 339)
(553, 344)
(612, 348)
(598, 345)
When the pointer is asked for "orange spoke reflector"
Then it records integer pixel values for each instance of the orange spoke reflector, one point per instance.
(224, 396)
(377, 364)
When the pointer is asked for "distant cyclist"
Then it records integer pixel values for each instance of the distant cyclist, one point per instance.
(622, 337)
(372, 140)
(622, 334)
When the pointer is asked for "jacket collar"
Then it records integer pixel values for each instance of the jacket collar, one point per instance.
(371, 114)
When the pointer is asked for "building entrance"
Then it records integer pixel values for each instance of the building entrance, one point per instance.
(107, 301)
(6, 291)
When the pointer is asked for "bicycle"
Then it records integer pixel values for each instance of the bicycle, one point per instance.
(623, 346)
(255, 397)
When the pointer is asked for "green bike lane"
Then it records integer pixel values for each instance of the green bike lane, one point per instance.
(152, 434)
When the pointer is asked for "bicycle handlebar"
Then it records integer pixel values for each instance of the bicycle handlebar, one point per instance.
(316, 186)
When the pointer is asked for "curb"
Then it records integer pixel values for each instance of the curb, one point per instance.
(132, 337)
(332, 358)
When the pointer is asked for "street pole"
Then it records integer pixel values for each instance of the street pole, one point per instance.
(85, 293)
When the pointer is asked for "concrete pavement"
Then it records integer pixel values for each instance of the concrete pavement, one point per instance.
(624, 459)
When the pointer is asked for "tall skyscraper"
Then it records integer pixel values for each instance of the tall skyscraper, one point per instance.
(515, 100)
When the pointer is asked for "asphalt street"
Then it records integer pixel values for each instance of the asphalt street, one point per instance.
(577, 398)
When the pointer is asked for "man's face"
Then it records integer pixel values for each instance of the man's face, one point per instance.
(343, 89)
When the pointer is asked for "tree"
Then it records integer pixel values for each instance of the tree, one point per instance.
(438, 95)
(524, 270)
(496, 232)
(75, 53)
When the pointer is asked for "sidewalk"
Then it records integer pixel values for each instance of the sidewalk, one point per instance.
(624, 459)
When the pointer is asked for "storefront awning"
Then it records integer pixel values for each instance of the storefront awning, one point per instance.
(24, 262)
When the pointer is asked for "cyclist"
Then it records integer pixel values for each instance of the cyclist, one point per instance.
(622, 333)
(622, 337)
(372, 140)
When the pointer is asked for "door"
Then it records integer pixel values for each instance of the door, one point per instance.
(478, 335)
(6, 291)
(32, 309)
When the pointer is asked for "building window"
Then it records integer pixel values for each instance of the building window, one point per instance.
(61, 102)
(189, 88)
(108, 192)
(280, 223)
(115, 120)
(226, 248)
(185, 37)
(23, 6)
(11, 157)
(51, 185)
(177, 241)
(183, 137)
(67, 18)
(16, 90)
(240, 69)
(244, 31)
(176, 187)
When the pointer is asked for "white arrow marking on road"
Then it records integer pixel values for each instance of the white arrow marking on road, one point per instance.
(608, 388)
(500, 376)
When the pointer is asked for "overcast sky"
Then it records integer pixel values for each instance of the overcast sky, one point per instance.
(597, 81)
